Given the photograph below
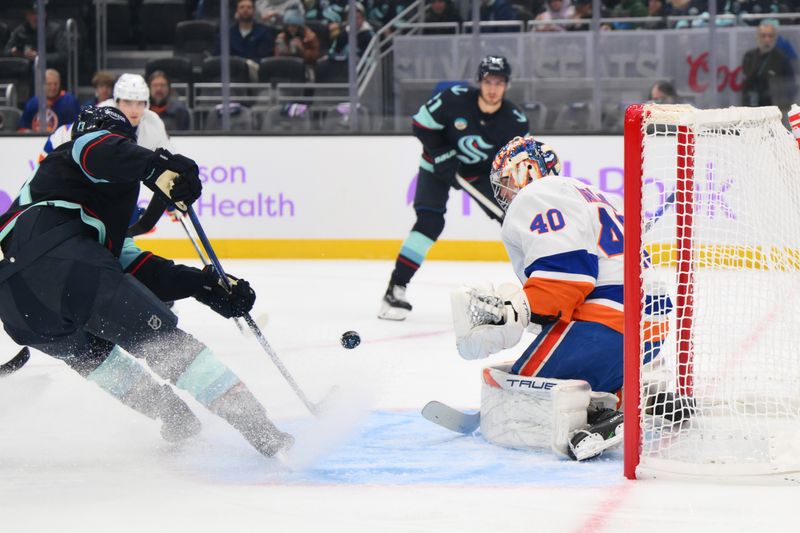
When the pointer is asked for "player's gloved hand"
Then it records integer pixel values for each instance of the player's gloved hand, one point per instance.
(445, 163)
(175, 178)
(214, 294)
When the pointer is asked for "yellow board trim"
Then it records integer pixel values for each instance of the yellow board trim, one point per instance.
(324, 249)
(728, 256)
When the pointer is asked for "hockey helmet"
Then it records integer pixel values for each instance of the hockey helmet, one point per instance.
(131, 87)
(518, 163)
(92, 118)
(496, 65)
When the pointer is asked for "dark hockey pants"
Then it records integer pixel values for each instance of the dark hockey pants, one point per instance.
(75, 303)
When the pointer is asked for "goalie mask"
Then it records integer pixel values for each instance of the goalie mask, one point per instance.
(519, 162)
(107, 118)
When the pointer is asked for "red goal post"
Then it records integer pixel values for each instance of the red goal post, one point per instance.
(712, 293)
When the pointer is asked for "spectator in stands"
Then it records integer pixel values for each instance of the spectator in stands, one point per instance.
(339, 35)
(23, 41)
(555, 10)
(314, 9)
(250, 39)
(381, 12)
(663, 92)
(497, 10)
(582, 11)
(657, 8)
(62, 107)
(172, 111)
(768, 73)
(441, 11)
(103, 83)
(297, 39)
(273, 11)
(628, 8)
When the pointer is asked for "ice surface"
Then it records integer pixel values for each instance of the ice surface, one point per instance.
(73, 459)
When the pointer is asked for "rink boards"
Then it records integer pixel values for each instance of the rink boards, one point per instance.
(325, 197)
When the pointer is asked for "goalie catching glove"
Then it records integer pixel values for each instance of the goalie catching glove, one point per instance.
(487, 320)
(174, 178)
(230, 304)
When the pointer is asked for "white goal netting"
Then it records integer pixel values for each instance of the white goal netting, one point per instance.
(720, 309)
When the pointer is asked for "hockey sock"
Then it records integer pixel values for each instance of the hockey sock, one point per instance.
(222, 392)
(426, 230)
(207, 378)
(126, 379)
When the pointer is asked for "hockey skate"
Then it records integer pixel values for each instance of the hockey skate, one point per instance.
(274, 443)
(604, 431)
(178, 421)
(672, 408)
(394, 305)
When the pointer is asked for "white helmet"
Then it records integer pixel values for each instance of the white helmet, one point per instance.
(131, 87)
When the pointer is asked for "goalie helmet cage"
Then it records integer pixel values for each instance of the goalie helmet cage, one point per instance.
(712, 294)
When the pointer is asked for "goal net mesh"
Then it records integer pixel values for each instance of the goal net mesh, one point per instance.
(720, 307)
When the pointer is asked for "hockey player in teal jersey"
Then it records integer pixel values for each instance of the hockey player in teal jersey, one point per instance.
(73, 286)
(460, 128)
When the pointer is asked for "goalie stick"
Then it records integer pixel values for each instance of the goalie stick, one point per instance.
(16, 362)
(452, 419)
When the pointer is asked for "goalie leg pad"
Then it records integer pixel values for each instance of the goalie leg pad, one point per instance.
(532, 412)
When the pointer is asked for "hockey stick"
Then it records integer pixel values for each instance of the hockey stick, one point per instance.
(17, 362)
(312, 407)
(261, 319)
(452, 419)
(496, 212)
(670, 201)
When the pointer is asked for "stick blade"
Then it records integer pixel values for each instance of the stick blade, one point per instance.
(17, 362)
(452, 419)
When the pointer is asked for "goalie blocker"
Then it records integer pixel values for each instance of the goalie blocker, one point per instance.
(533, 412)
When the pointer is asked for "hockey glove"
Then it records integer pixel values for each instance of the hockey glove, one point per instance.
(175, 178)
(444, 162)
(487, 320)
(214, 294)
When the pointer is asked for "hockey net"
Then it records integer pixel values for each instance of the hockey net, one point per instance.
(712, 293)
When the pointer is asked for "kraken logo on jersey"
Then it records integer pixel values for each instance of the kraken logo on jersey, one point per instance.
(472, 147)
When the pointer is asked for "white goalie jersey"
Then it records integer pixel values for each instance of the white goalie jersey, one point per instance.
(565, 241)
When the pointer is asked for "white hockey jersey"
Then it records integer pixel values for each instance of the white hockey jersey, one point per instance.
(150, 133)
(565, 240)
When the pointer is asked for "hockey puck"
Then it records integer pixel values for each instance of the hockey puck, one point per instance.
(350, 339)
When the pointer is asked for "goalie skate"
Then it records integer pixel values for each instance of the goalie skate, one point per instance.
(604, 432)
(394, 305)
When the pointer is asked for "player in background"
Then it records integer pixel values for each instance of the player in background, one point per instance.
(131, 96)
(72, 285)
(460, 129)
(565, 241)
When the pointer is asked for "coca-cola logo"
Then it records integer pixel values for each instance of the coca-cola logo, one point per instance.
(698, 75)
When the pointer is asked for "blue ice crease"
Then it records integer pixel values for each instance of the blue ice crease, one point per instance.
(402, 448)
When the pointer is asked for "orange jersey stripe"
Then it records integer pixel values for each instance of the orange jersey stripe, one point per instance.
(592, 312)
(549, 297)
(545, 348)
